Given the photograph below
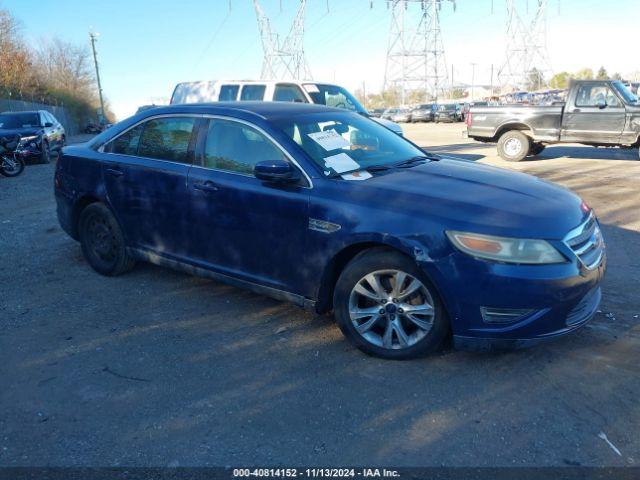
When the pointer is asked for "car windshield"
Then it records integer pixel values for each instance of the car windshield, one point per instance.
(19, 120)
(333, 96)
(624, 91)
(447, 108)
(345, 142)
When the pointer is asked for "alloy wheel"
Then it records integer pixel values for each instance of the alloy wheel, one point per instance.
(391, 309)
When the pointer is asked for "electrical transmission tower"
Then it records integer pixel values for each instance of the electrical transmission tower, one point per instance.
(527, 60)
(415, 55)
(283, 59)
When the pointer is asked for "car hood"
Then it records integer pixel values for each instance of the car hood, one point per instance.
(389, 124)
(466, 196)
(23, 132)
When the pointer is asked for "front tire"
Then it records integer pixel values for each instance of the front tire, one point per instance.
(514, 146)
(11, 167)
(45, 153)
(102, 241)
(387, 307)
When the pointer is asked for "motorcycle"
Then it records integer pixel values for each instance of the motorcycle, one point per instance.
(11, 161)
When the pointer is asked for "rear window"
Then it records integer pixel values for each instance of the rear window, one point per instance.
(252, 92)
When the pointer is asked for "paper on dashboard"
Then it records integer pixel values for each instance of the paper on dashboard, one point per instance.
(329, 140)
(341, 163)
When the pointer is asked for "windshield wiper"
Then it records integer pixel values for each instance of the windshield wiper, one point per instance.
(418, 159)
(375, 168)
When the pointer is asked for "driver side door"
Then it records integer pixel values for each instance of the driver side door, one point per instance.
(595, 116)
(242, 226)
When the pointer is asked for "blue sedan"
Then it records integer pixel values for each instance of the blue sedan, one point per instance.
(332, 211)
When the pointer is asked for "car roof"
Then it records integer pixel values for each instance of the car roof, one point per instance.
(21, 111)
(264, 110)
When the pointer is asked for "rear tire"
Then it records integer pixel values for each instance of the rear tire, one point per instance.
(407, 318)
(102, 241)
(514, 146)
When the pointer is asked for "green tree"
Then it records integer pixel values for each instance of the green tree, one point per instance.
(616, 76)
(560, 80)
(602, 74)
(584, 74)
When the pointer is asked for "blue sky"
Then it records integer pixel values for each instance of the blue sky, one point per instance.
(147, 46)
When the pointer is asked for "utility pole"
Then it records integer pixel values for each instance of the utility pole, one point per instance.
(93, 37)
(473, 81)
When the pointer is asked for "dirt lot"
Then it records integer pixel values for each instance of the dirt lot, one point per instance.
(160, 368)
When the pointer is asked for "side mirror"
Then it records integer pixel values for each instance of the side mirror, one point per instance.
(276, 171)
(601, 103)
(48, 125)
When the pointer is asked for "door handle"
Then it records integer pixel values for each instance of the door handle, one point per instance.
(206, 187)
(114, 172)
(577, 110)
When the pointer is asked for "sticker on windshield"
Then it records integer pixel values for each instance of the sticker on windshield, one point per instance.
(329, 140)
(311, 88)
(361, 175)
(341, 163)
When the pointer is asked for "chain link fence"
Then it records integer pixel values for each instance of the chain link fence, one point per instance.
(60, 112)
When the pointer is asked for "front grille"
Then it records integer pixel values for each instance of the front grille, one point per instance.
(587, 243)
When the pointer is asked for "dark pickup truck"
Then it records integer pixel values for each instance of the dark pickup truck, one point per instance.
(597, 113)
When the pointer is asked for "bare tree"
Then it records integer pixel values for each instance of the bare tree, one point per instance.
(66, 67)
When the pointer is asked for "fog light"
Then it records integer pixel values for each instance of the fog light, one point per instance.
(503, 315)
(32, 145)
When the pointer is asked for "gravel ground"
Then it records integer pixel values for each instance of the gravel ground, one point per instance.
(161, 368)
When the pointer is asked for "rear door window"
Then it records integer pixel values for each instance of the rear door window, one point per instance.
(252, 92)
(288, 93)
(228, 93)
(167, 139)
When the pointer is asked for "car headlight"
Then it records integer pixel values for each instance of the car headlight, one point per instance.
(505, 249)
(31, 138)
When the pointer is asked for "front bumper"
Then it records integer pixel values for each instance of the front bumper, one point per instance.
(556, 300)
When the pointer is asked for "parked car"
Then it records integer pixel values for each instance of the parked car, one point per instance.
(423, 113)
(264, 90)
(328, 209)
(376, 112)
(389, 113)
(39, 130)
(449, 112)
(402, 115)
(92, 128)
(597, 112)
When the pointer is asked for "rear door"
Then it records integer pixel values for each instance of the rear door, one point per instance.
(596, 115)
(145, 172)
(243, 226)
